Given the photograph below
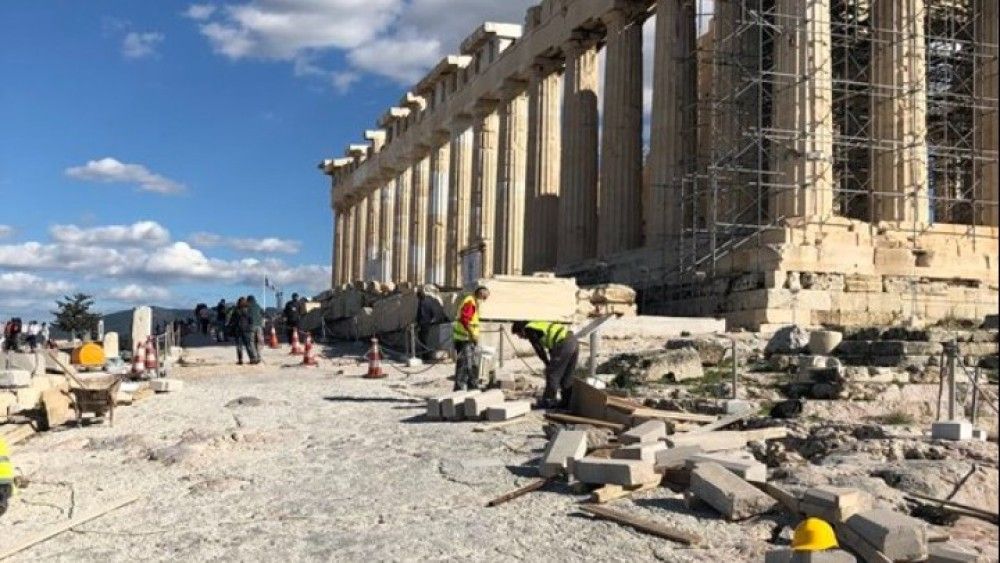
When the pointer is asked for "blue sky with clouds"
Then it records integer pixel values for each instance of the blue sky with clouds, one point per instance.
(166, 151)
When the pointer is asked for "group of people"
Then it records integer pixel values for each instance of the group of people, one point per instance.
(243, 322)
(35, 334)
(553, 342)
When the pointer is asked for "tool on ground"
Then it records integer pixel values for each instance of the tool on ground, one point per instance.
(374, 361)
(813, 534)
(309, 356)
(296, 346)
(272, 339)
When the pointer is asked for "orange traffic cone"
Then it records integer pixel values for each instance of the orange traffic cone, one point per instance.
(151, 360)
(374, 362)
(296, 347)
(272, 340)
(139, 359)
(309, 356)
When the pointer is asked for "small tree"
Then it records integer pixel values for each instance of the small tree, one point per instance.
(74, 315)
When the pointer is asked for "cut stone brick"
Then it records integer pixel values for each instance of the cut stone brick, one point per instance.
(834, 504)
(434, 404)
(898, 536)
(12, 378)
(476, 405)
(647, 432)
(7, 399)
(165, 385)
(952, 430)
(746, 468)
(643, 452)
(788, 555)
(731, 496)
(613, 471)
(725, 439)
(566, 445)
(675, 458)
(453, 408)
(28, 397)
(945, 553)
(508, 410)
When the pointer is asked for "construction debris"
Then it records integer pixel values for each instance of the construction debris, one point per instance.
(730, 495)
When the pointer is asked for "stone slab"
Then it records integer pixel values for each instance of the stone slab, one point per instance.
(647, 326)
(604, 471)
(110, 343)
(946, 553)
(453, 408)
(642, 451)
(788, 555)
(898, 536)
(476, 405)
(834, 504)
(514, 298)
(952, 430)
(14, 378)
(434, 403)
(142, 324)
(166, 385)
(8, 399)
(508, 410)
(732, 497)
(675, 458)
(746, 467)
(28, 397)
(647, 432)
(725, 439)
(565, 446)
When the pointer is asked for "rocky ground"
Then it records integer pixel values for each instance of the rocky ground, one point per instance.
(297, 463)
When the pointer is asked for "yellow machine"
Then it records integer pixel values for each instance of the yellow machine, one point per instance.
(89, 355)
(6, 476)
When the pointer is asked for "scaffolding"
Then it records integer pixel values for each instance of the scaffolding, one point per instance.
(728, 198)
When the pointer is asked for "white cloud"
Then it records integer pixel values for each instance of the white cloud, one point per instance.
(268, 245)
(30, 286)
(200, 12)
(139, 45)
(142, 233)
(110, 170)
(135, 293)
(6, 231)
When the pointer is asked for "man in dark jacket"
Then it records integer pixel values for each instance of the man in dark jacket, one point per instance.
(291, 314)
(429, 313)
(558, 349)
(220, 321)
(241, 326)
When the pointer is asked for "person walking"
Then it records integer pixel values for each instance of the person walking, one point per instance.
(44, 335)
(292, 316)
(559, 350)
(257, 315)
(12, 333)
(465, 335)
(241, 326)
(34, 330)
(220, 321)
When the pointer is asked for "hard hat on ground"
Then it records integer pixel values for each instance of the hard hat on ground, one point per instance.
(813, 534)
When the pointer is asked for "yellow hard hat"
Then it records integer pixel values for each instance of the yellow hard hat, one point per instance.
(813, 534)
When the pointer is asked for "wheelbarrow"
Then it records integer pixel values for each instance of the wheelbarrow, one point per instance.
(96, 396)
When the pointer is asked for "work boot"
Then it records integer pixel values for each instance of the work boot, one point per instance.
(567, 397)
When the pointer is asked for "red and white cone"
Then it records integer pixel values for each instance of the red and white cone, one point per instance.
(139, 359)
(296, 347)
(152, 363)
(374, 362)
(309, 356)
(272, 339)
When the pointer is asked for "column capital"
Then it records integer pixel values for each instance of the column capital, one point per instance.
(544, 66)
(512, 88)
(483, 107)
(579, 41)
(624, 12)
(460, 123)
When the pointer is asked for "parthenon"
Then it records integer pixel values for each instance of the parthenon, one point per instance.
(820, 161)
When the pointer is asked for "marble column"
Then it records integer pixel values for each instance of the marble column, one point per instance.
(420, 214)
(986, 115)
(673, 129)
(484, 182)
(373, 268)
(544, 140)
(401, 242)
(360, 239)
(388, 230)
(347, 246)
(620, 210)
(438, 217)
(900, 115)
(803, 110)
(511, 174)
(459, 199)
(579, 165)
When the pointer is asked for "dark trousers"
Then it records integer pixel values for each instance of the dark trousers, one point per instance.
(465, 352)
(245, 340)
(290, 331)
(562, 365)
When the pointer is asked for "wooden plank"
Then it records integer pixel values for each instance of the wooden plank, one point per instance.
(65, 526)
(645, 525)
(726, 421)
(646, 412)
(57, 407)
(533, 486)
(985, 514)
(504, 424)
(609, 493)
(571, 419)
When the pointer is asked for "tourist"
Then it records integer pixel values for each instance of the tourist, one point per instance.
(292, 316)
(257, 315)
(34, 329)
(220, 321)
(241, 327)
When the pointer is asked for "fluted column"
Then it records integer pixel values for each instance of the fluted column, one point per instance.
(360, 239)
(803, 109)
(388, 230)
(579, 167)
(401, 242)
(347, 247)
(673, 130)
(900, 116)
(986, 115)
(337, 275)
(373, 269)
(421, 181)
(620, 210)
(484, 182)
(459, 199)
(438, 223)
(544, 137)
(511, 172)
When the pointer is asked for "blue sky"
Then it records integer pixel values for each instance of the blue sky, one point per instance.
(165, 152)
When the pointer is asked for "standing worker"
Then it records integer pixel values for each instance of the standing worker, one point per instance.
(465, 334)
(291, 314)
(558, 349)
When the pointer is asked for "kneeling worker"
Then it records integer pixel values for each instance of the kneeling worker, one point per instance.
(558, 349)
(6, 477)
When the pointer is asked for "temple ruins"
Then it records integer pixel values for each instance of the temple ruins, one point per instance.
(824, 162)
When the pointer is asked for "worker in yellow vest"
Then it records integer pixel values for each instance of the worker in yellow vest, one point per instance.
(465, 335)
(558, 349)
(6, 477)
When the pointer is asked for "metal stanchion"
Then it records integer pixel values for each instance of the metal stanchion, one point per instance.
(500, 353)
(594, 343)
(975, 395)
(736, 363)
(951, 349)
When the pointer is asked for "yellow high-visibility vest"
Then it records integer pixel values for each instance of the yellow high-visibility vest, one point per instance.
(552, 333)
(458, 332)
(6, 467)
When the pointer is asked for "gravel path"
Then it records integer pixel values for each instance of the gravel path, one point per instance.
(291, 463)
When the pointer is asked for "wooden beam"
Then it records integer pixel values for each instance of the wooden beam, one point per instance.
(971, 510)
(533, 486)
(644, 525)
(572, 419)
(608, 493)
